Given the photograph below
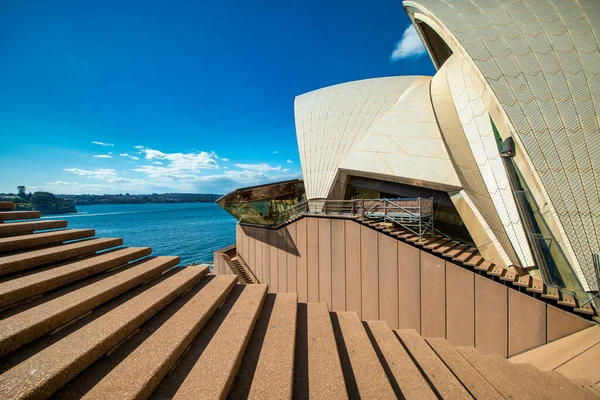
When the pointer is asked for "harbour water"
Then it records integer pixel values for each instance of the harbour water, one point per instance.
(192, 231)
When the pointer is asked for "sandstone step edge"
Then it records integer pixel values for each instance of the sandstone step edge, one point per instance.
(47, 371)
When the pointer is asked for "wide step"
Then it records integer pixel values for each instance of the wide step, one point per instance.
(436, 371)
(267, 369)
(47, 371)
(22, 261)
(503, 381)
(223, 342)
(475, 383)
(557, 353)
(6, 205)
(32, 323)
(407, 376)
(29, 285)
(43, 239)
(18, 228)
(318, 368)
(371, 380)
(15, 215)
(143, 369)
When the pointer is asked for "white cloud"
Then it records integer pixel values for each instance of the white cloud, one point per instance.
(105, 174)
(157, 163)
(100, 173)
(60, 183)
(409, 45)
(124, 154)
(276, 151)
(225, 159)
(289, 161)
(186, 162)
(134, 157)
(286, 170)
(262, 167)
(139, 147)
(102, 156)
(102, 143)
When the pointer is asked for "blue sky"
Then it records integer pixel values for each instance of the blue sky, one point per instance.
(140, 97)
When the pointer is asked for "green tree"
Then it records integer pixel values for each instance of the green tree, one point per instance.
(43, 199)
(21, 191)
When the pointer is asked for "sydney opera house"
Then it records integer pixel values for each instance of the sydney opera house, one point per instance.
(504, 137)
(442, 244)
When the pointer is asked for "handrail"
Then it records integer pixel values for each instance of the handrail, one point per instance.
(414, 214)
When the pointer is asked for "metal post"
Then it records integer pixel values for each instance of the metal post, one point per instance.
(384, 210)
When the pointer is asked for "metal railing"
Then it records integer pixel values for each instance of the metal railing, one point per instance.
(596, 259)
(413, 214)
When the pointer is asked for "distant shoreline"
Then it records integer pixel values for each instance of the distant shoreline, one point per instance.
(155, 198)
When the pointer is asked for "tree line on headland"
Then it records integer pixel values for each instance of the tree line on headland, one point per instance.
(48, 203)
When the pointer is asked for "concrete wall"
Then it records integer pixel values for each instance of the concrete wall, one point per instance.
(354, 268)
(220, 266)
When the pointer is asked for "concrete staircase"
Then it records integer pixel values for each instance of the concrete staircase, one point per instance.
(87, 319)
(469, 257)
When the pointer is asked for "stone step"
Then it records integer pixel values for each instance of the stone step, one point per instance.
(554, 354)
(507, 383)
(471, 379)
(16, 215)
(23, 327)
(225, 349)
(400, 368)
(31, 259)
(47, 371)
(19, 228)
(439, 375)
(485, 266)
(142, 370)
(436, 243)
(6, 205)
(445, 247)
(466, 255)
(30, 284)
(474, 261)
(267, 369)
(318, 369)
(454, 252)
(371, 379)
(548, 385)
(43, 239)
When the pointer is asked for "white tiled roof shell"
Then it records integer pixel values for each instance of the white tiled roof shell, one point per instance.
(332, 120)
(405, 145)
(478, 130)
(476, 192)
(541, 59)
